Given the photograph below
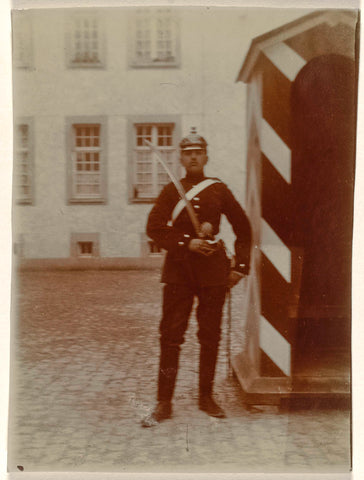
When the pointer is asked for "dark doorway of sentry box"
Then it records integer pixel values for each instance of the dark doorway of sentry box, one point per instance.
(323, 105)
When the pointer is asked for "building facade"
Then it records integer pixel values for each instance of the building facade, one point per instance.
(89, 86)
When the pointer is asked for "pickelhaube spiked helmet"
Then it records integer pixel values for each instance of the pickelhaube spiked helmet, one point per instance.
(193, 141)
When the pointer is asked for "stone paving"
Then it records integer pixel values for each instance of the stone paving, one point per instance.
(85, 360)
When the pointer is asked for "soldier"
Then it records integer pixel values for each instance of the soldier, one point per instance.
(195, 265)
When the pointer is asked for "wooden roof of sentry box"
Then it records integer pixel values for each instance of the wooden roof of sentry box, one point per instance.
(292, 29)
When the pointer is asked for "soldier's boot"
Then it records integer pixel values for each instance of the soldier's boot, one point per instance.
(162, 411)
(168, 368)
(206, 403)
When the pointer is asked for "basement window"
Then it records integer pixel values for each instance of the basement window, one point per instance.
(85, 248)
(85, 245)
(154, 248)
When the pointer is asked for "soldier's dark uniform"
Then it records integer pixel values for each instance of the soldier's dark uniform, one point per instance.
(188, 274)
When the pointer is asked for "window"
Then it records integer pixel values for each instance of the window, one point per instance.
(85, 248)
(23, 172)
(154, 248)
(18, 245)
(148, 248)
(22, 39)
(85, 245)
(85, 41)
(149, 174)
(87, 163)
(155, 37)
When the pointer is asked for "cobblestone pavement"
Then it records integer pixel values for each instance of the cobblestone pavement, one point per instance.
(85, 360)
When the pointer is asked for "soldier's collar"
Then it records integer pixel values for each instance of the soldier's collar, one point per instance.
(195, 178)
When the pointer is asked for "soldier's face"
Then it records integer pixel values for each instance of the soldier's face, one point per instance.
(194, 160)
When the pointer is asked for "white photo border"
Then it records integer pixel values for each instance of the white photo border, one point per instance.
(5, 244)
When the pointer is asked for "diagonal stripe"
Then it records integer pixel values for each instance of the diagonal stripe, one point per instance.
(277, 252)
(276, 195)
(276, 150)
(275, 298)
(285, 59)
(275, 346)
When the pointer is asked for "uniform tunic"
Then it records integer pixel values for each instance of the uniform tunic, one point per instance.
(183, 266)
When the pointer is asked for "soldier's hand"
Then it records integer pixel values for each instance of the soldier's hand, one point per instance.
(198, 245)
(234, 278)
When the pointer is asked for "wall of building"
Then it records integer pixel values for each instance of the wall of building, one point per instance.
(201, 91)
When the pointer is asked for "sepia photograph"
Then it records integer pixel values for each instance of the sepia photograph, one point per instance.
(182, 234)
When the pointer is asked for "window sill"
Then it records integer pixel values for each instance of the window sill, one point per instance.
(87, 201)
(24, 202)
(85, 65)
(155, 65)
(24, 68)
(142, 200)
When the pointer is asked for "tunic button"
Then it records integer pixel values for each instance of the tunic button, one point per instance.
(186, 235)
(196, 206)
(197, 199)
(181, 243)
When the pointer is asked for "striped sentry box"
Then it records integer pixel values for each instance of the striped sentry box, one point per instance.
(270, 69)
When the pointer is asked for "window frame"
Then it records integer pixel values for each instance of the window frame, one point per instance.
(133, 61)
(22, 18)
(28, 200)
(71, 122)
(69, 34)
(161, 120)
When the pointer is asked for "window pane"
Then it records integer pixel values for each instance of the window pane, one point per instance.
(23, 131)
(87, 184)
(145, 190)
(96, 160)
(143, 132)
(139, 130)
(165, 136)
(85, 248)
(164, 35)
(143, 35)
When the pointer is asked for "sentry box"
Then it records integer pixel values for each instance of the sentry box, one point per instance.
(301, 120)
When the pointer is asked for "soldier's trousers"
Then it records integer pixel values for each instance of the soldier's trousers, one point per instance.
(177, 306)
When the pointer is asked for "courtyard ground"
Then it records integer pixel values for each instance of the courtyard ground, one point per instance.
(84, 367)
